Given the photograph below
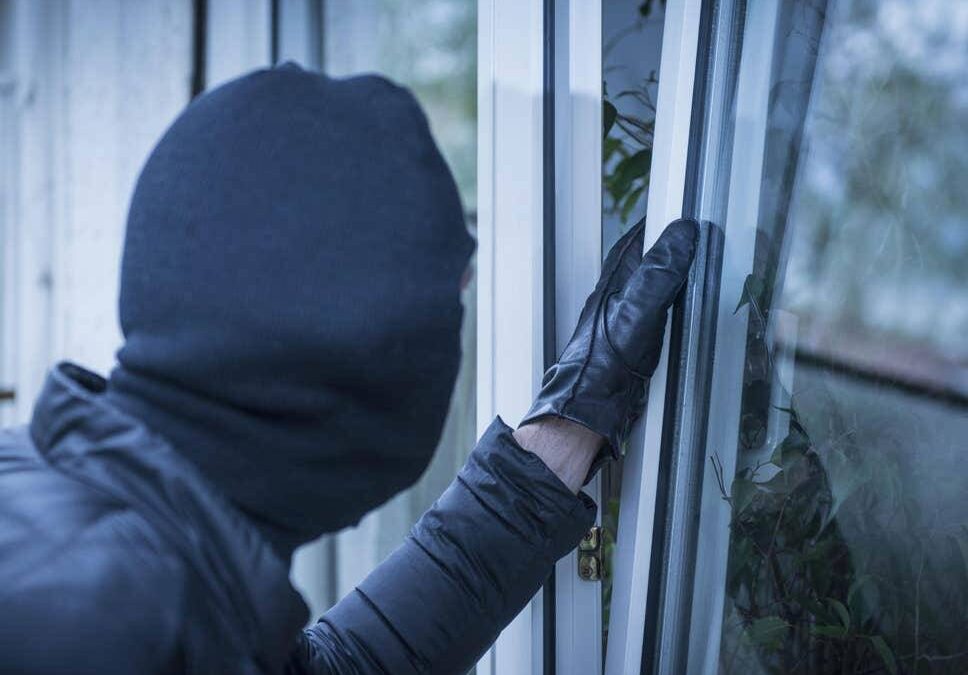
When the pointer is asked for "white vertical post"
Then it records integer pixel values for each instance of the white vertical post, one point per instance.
(510, 235)
(742, 211)
(640, 481)
(239, 38)
(300, 32)
(578, 257)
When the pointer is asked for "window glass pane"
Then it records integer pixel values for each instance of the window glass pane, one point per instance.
(429, 46)
(838, 439)
(631, 47)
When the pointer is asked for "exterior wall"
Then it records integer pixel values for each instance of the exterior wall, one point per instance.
(89, 86)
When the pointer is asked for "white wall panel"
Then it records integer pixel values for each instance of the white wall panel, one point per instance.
(239, 38)
(510, 237)
(30, 144)
(94, 84)
(126, 76)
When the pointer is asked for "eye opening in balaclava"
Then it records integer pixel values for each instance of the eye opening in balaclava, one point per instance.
(290, 295)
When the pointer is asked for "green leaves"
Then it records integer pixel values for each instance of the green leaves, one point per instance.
(627, 171)
(841, 611)
(883, 651)
(630, 201)
(641, 130)
(791, 449)
(626, 152)
(628, 180)
(890, 578)
(836, 632)
(609, 114)
(855, 597)
(740, 564)
(830, 612)
(767, 632)
(610, 147)
(753, 292)
(742, 494)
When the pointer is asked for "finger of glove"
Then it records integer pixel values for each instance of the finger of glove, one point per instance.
(636, 323)
(623, 258)
(620, 263)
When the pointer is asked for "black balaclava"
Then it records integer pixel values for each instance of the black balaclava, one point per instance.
(290, 296)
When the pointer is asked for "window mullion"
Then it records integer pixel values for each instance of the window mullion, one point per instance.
(640, 479)
(511, 216)
(578, 254)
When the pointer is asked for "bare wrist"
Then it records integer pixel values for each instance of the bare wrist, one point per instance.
(566, 447)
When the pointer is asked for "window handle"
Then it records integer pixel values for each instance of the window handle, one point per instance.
(7, 394)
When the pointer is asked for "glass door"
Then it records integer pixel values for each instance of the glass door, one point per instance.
(824, 525)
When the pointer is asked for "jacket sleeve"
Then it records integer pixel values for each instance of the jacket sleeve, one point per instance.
(468, 567)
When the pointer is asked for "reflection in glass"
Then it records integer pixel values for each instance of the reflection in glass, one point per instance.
(848, 525)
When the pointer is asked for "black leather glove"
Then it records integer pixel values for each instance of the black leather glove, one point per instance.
(599, 381)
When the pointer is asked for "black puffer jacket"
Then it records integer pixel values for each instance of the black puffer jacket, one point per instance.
(118, 556)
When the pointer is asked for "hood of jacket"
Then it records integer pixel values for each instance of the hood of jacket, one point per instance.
(290, 296)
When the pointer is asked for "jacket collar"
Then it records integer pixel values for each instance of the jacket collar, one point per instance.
(83, 435)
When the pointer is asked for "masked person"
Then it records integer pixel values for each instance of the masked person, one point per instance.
(291, 311)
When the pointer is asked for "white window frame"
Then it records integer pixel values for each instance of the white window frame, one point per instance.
(510, 268)
(511, 36)
(633, 551)
(578, 260)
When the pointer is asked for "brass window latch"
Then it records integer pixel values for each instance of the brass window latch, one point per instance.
(590, 555)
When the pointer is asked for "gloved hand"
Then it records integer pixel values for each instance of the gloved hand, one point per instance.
(599, 381)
